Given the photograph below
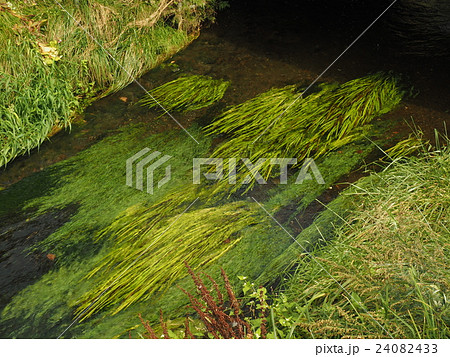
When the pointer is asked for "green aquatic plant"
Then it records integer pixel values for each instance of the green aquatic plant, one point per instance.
(186, 93)
(409, 146)
(150, 251)
(281, 124)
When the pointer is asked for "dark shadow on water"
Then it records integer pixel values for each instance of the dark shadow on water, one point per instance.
(20, 266)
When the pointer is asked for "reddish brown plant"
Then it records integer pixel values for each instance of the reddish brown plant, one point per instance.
(222, 319)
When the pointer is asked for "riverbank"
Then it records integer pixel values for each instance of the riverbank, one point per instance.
(56, 60)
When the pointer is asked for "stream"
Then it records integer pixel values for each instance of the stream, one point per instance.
(255, 45)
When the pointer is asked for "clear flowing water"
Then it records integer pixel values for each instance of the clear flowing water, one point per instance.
(256, 46)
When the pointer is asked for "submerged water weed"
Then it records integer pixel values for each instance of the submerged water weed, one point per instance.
(186, 93)
(163, 245)
(323, 121)
(93, 176)
(413, 144)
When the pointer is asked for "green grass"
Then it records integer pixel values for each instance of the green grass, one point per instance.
(33, 97)
(415, 143)
(186, 93)
(392, 256)
(326, 119)
(50, 69)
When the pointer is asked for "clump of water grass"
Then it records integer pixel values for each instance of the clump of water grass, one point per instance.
(407, 147)
(186, 93)
(160, 245)
(277, 125)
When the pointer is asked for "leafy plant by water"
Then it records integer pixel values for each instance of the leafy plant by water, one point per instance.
(50, 69)
(277, 125)
(186, 93)
(220, 313)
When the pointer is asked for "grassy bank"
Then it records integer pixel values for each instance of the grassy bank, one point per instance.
(50, 68)
(385, 272)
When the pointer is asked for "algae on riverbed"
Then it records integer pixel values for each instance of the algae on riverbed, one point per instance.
(96, 175)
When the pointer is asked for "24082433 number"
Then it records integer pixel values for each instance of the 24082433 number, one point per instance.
(424, 348)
